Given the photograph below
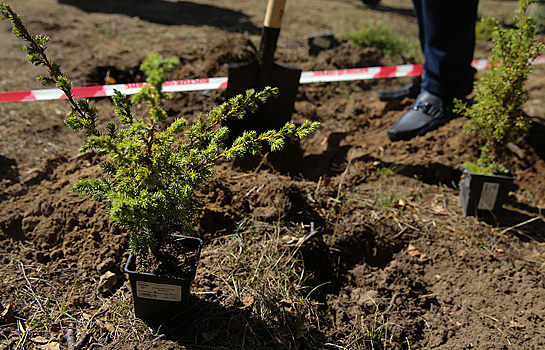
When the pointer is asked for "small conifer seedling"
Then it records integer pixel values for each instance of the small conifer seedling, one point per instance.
(152, 173)
(497, 116)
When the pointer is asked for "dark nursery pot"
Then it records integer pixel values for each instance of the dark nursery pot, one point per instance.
(158, 297)
(483, 195)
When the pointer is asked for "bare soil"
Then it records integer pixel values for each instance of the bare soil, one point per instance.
(398, 265)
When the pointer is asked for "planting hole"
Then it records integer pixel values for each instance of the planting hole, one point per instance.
(115, 75)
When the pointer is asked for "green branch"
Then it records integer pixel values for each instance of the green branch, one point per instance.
(152, 175)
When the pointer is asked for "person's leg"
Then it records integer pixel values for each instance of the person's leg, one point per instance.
(447, 34)
(447, 37)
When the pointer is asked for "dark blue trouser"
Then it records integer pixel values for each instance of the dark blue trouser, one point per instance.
(447, 38)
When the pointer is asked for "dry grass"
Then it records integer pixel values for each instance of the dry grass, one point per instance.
(48, 309)
(263, 298)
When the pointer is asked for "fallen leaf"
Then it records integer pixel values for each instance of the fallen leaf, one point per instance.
(289, 240)
(438, 208)
(285, 302)
(400, 203)
(50, 346)
(105, 326)
(86, 316)
(39, 340)
(248, 301)
(412, 251)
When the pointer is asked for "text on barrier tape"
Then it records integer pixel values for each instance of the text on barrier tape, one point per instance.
(221, 82)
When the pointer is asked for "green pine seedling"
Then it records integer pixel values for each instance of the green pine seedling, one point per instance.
(497, 116)
(152, 173)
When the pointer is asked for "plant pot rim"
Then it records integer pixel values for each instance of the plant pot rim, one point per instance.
(131, 260)
(510, 175)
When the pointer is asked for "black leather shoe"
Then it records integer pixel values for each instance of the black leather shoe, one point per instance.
(411, 90)
(427, 113)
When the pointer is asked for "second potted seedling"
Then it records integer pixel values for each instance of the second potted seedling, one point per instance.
(497, 117)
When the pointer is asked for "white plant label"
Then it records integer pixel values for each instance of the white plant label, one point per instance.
(488, 196)
(157, 291)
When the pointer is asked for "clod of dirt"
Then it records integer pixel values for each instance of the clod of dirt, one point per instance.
(107, 282)
(105, 265)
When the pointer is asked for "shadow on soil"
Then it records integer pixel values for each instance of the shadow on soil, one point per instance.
(400, 11)
(206, 324)
(293, 162)
(520, 220)
(535, 137)
(8, 169)
(172, 13)
(432, 173)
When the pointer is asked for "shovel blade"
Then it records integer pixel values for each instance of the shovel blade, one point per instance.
(277, 111)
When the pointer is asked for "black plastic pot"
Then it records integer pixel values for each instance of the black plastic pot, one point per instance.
(159, 298)
(483, 195)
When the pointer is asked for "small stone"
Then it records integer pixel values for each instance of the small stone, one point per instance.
(46, 208)
(105, 265)
(107, 282)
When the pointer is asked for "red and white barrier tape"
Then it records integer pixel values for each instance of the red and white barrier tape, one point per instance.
(221, 82)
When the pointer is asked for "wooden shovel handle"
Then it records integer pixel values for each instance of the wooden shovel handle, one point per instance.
(275, 11)
(269, 38)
